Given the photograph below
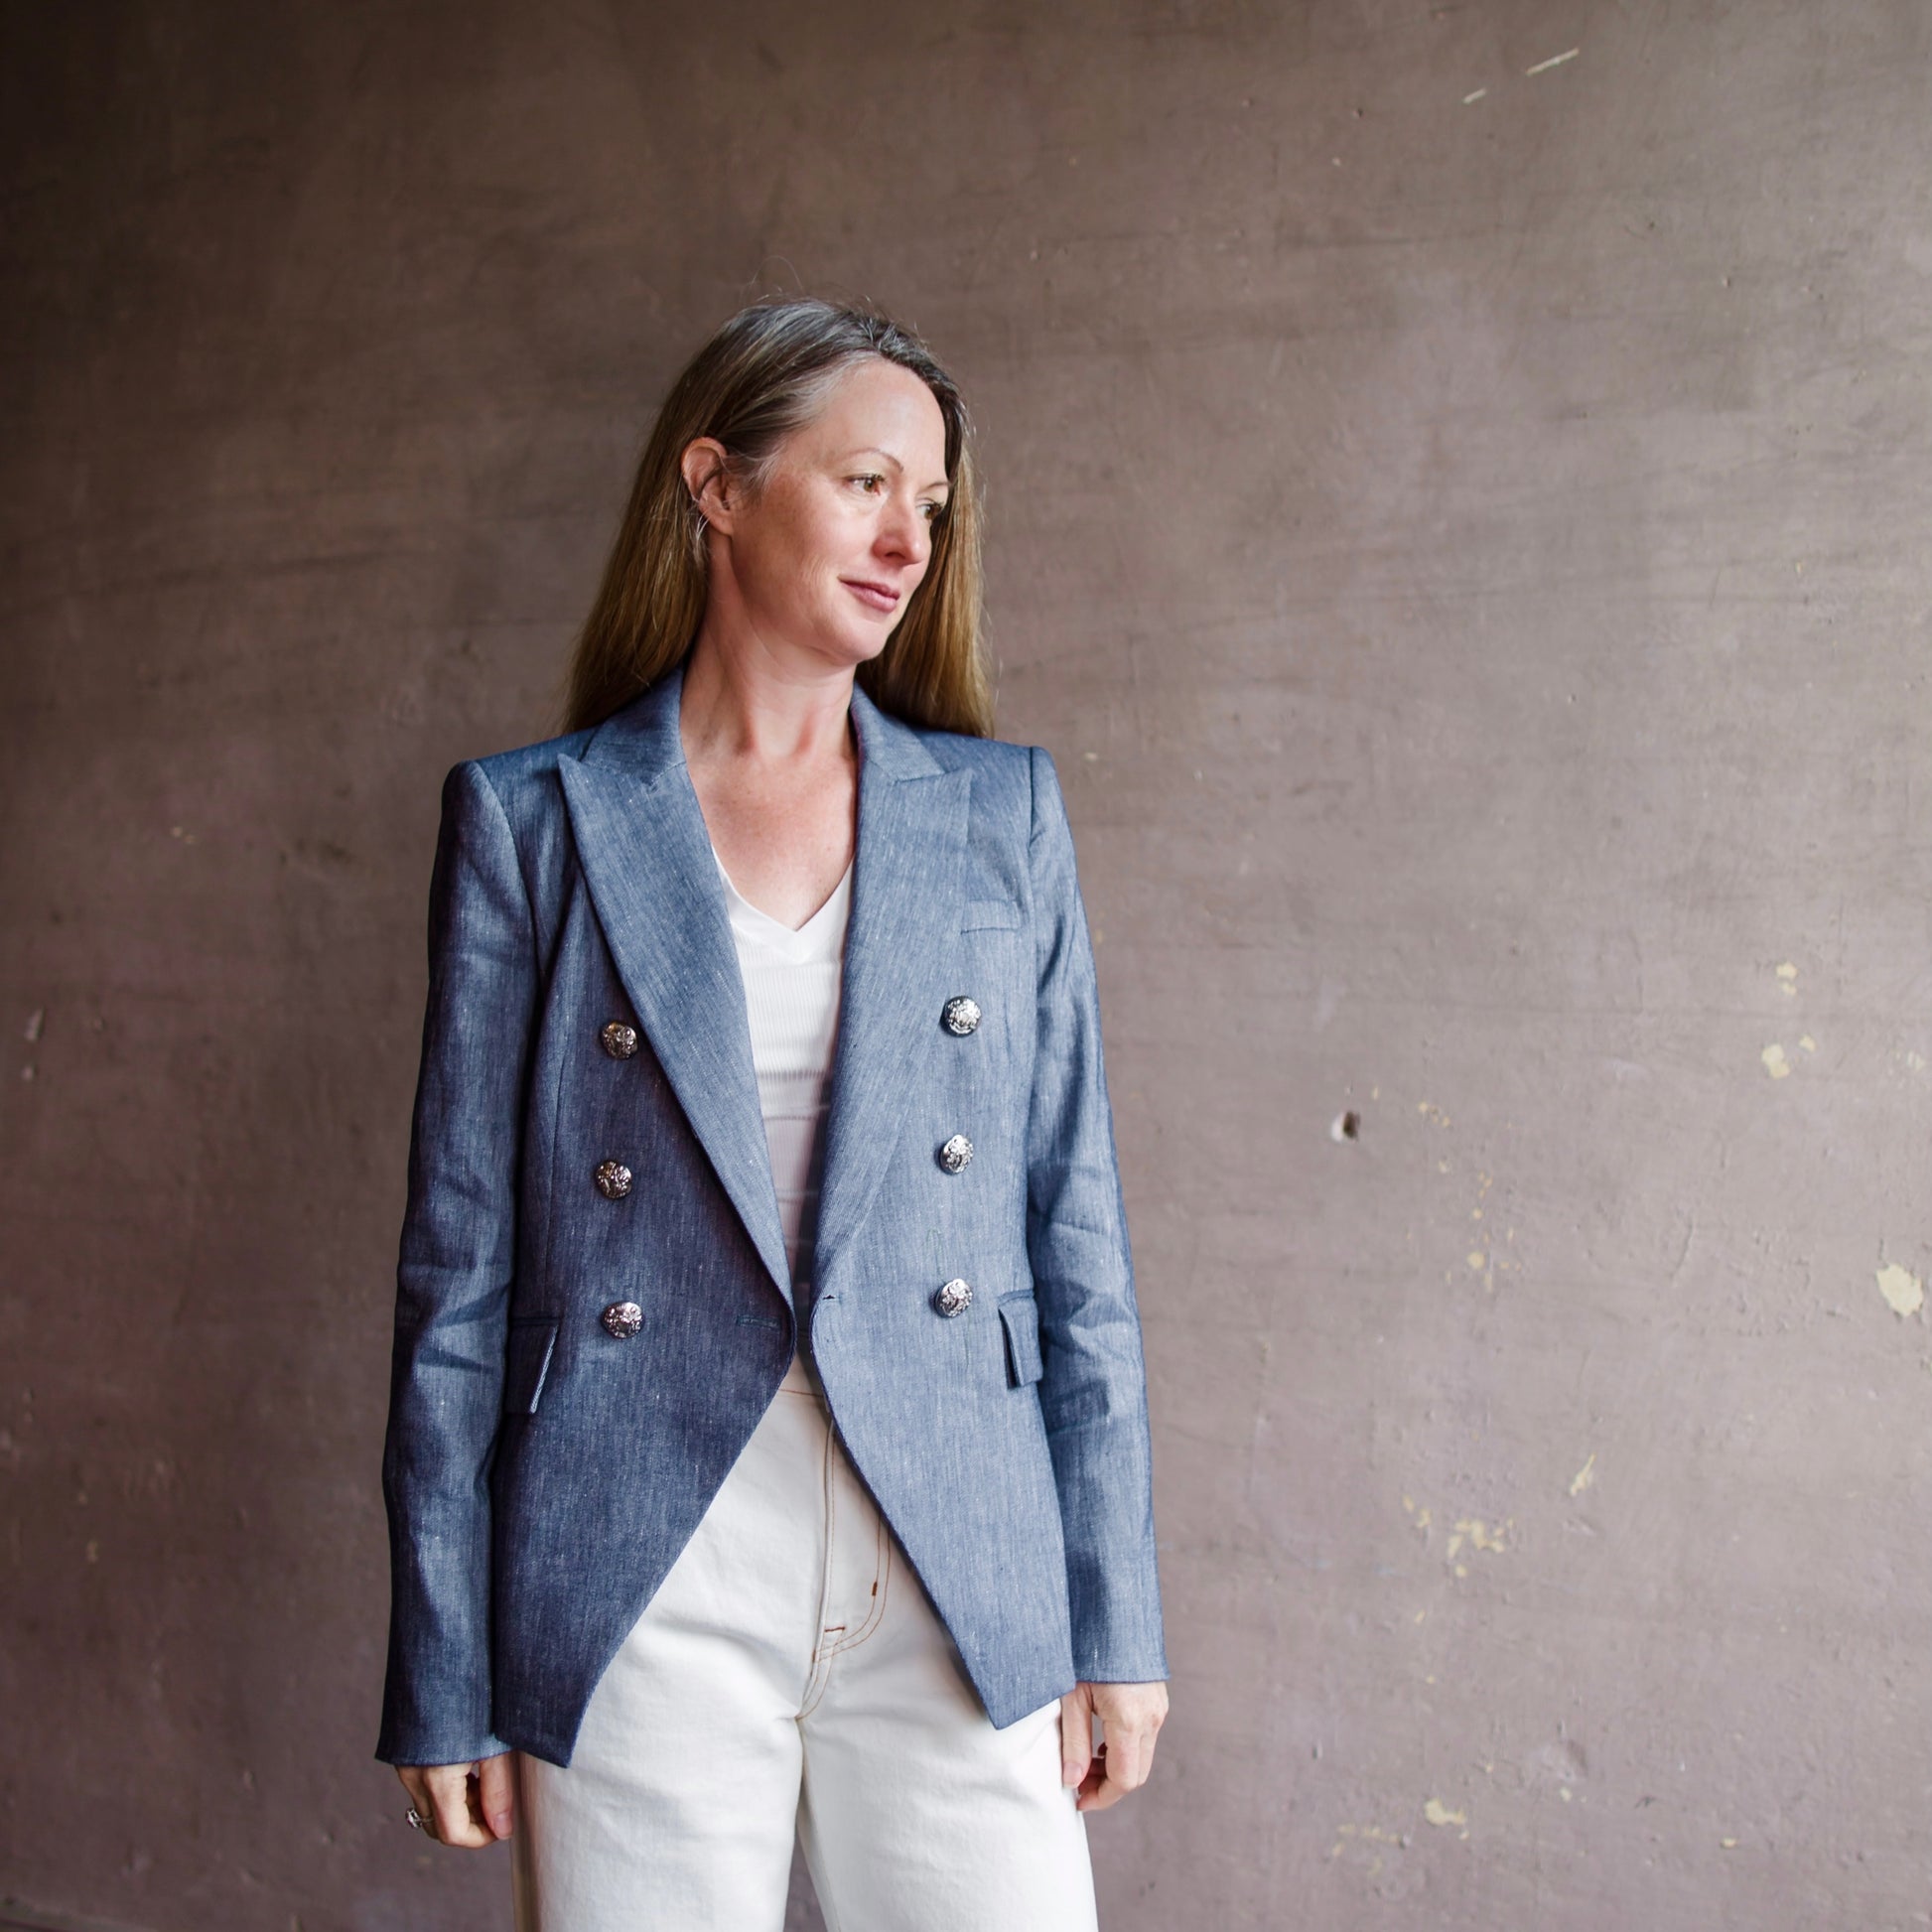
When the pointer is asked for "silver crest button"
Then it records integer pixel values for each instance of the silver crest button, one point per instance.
(954, 1298)
(960, 1015)
(624, 1319)
(955, 1154)
(619, 1040)
(612, 1179)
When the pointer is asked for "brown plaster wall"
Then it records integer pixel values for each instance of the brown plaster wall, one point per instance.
(1459, 523)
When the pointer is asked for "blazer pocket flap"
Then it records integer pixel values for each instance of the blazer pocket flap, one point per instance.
(1019, 1316)
(982, 912)
(531, 1342)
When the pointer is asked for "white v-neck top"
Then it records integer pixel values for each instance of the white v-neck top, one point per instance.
(793, 981)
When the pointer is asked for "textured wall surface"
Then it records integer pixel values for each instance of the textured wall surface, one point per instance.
(1459, 486)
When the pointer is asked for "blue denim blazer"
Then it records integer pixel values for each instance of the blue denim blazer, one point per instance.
(542, 1473)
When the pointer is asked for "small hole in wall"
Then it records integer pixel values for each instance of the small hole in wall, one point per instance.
(1346, 1126)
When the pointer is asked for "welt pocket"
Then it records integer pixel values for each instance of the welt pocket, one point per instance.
(527, 1350)
(981, 913)
(1020, 1318)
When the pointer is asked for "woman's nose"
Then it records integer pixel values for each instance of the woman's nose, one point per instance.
(904, 533)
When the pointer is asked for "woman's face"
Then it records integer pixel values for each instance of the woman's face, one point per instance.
(825, 556)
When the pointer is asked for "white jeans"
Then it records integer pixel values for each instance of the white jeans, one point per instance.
(791, 1675)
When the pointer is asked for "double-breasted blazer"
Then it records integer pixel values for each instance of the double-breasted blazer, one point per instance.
(542, 1467)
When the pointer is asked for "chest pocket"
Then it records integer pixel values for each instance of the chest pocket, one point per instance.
(983, 914)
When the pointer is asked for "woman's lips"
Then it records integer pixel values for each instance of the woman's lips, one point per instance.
(877, 595)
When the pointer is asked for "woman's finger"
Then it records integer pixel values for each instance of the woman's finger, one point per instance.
(1098, 1789)
(1132, 1756)
(449, 1793)
(1076, 1736)
(496, 1793)
(419, 1798)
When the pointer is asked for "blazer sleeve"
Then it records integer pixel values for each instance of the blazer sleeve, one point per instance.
(1093, 1393)
(453, 1279)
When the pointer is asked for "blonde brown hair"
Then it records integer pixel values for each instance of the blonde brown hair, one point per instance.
(761, 376)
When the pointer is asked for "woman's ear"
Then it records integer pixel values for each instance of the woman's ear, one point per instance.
(705, 467)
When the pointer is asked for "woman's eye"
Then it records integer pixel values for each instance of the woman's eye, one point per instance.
(932, 511)
(868, 483)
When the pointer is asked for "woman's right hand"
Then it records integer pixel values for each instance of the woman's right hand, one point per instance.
(471, 1804)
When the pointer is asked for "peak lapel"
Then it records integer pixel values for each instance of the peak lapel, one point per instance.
(907, 892)
(641, 841)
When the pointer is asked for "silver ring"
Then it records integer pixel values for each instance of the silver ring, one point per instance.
(417, 1822)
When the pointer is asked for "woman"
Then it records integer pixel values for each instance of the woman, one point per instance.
(767, 1445)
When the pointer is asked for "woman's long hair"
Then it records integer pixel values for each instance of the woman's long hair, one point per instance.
(761, 376)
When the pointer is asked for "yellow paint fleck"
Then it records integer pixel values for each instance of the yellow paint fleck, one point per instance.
(1902, 1289)
(1916, 1061)
(1461, 1570)
(1476, 1257)
(1788, 978)
(1583, 1476)
(1419, 1614)
(1429, 1111)
(1439, 1813)
(1807, 1042)
(1729, 1843)
(1480, 1535)
(1565, 1793)
(1775, 1064)
(1475, 1213)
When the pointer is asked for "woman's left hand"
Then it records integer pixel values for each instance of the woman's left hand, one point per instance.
(1130, 1715)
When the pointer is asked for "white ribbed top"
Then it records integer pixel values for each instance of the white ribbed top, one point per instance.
(791, 998)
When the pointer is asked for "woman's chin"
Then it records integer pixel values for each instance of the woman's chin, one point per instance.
(852, 645)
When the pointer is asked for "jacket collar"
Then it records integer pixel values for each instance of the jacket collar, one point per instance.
(647, 855)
